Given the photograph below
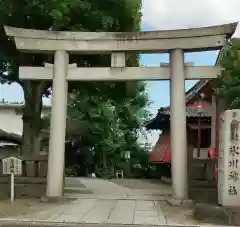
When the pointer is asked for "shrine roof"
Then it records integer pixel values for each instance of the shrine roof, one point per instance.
(192, 111)
(190, 94)
(10, 137)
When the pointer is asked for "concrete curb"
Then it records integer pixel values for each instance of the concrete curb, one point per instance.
(4, 222)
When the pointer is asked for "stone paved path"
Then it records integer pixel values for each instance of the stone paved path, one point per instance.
(109, 211)
(103, 189)
(109, 203)
(101, 202)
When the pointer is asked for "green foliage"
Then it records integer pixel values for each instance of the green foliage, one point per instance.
(109, 127)
(72, 170)
(75, 15)
(104, 119)
(228, 84)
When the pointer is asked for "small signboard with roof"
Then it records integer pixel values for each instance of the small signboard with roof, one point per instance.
(12, 166)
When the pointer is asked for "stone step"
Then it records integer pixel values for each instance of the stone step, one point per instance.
(116, 197)
(203, 184)
(68, 190)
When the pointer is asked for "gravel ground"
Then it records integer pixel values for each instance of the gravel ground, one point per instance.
(177, 215)
(21, 207)
(24, 207)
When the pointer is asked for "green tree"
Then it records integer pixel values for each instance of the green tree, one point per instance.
(74, 15)
(228, 84)
(108, 126)
(96, 121)
(101, 129)
(119, 106)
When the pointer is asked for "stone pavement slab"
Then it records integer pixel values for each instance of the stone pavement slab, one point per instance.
(146, 213)
(80, 207)
(147, 217)
(96, 216)
(75, 210)
(66, 218)
(123, 212)
(94, 211)
(145, 205)
(100, 186)
(100, 212)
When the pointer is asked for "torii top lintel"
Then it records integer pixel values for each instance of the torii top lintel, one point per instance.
(189, 40)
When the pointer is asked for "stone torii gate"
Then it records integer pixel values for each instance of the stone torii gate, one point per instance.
(174, 42)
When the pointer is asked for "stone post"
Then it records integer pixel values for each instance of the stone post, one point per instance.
(58, 125)
(178, 126)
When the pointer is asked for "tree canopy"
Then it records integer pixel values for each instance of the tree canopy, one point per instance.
(105, 118)
(107, 127)
(228, 84)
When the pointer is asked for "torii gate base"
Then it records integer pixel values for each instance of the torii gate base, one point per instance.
(62, 44)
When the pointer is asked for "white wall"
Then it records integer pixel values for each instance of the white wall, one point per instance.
(10, 121)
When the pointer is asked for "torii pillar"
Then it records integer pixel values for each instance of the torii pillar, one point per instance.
(56, 156)
(177, 68)
(178, 130)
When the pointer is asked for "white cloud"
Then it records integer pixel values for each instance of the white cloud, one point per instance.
(175, 14)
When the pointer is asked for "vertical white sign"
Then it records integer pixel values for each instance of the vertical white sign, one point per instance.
(229, 159)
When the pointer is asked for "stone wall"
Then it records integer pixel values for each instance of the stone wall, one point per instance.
(32, 182)
(30, 187)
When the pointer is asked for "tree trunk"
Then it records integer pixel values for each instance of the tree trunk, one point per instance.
(113, 170)
(105, 166)
(36, 144)
(27, 143)
(33, 92)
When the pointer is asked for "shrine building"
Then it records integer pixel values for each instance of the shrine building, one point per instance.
(202, 111)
